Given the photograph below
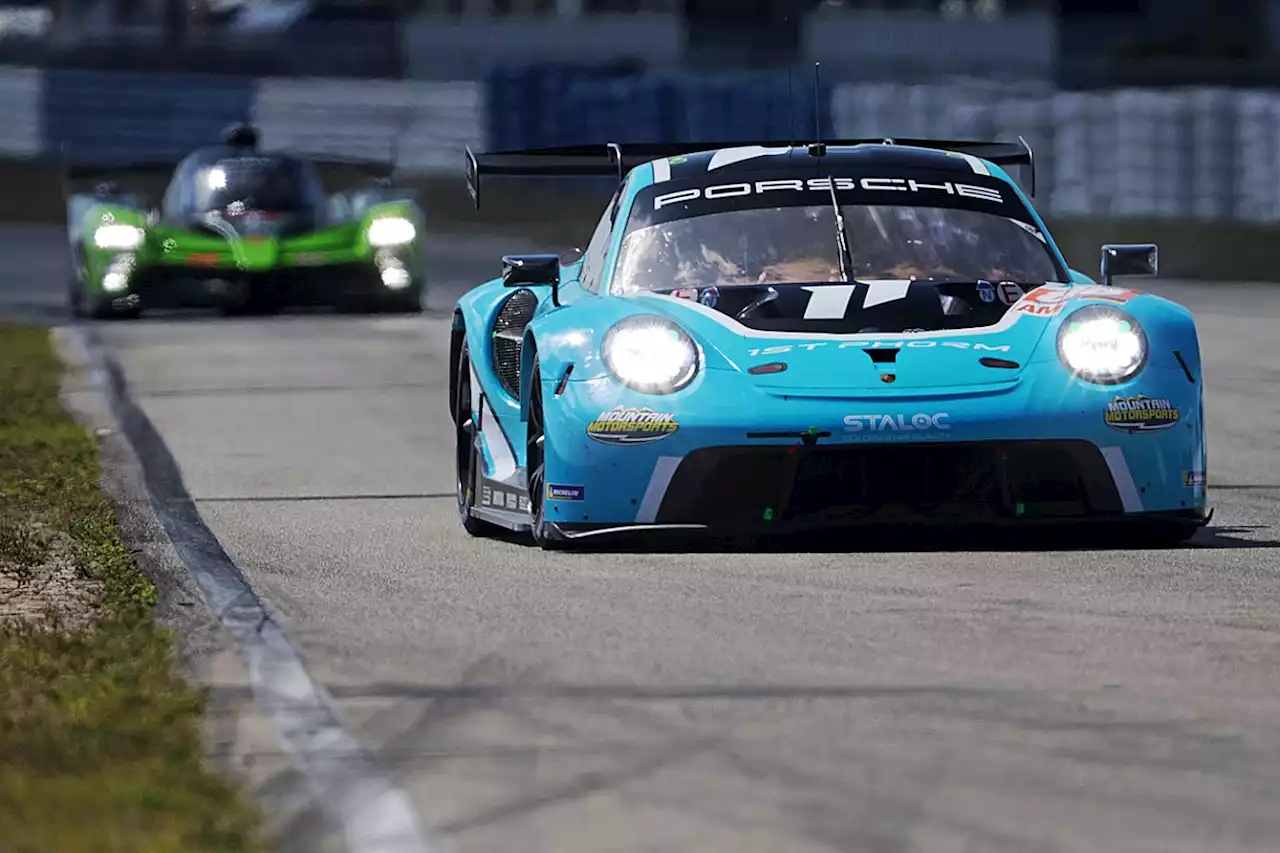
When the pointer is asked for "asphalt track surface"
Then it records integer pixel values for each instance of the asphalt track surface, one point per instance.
(941, 701)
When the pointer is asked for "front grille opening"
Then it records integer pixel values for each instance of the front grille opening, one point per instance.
(958, 481)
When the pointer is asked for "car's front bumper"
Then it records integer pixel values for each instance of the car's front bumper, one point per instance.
(740, 459)
(173, 286)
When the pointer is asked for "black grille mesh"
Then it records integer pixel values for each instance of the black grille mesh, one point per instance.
(508, 331)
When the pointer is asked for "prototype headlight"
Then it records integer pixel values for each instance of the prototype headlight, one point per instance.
(117, 237)
(650, 354)
(391, 231)
(1102, 344)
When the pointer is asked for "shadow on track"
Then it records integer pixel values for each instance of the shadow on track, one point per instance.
(912, 540)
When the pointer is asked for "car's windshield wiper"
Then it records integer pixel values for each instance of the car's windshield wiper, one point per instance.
(842, 236)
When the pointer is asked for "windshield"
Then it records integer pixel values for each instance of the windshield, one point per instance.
(256, 183)
(795, 244)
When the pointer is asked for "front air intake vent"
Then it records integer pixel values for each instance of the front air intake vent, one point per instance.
(508, 333)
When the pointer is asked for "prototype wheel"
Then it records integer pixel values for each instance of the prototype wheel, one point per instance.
(468, 456)
(75, 288)
(536, 466)
(103, 310)
(408, 302)
(75, 301)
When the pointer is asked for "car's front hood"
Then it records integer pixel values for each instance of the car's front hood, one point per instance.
(824, 364)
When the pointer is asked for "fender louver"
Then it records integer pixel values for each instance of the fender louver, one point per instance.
(508, 334)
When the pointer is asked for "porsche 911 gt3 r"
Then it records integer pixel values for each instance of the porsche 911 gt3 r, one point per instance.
(772, 338)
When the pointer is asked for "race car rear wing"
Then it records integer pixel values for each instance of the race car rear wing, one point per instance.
(612, 159)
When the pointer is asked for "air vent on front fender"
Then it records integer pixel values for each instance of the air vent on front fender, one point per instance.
(508, 333)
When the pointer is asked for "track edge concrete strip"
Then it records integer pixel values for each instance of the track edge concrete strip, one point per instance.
(376, 816)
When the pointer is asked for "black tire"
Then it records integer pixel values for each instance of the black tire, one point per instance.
(255, 306)
(409, 302)
(75, 299)
(535, 466)
(104, 311)
(75, 294)
(467, 455)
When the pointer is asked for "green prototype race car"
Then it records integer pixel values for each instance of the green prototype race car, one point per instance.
(243, 230)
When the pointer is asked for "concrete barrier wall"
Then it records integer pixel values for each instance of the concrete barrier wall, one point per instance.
(1199, 154)
(421, 126)
(22, 132)
(1198, 167)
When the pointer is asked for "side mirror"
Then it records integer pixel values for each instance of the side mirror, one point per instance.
(1129, 259)
(534, 270)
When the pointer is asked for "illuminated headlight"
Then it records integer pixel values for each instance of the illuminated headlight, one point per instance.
(391, 231)
(1102, 344)
(116, 278)
(650, 354)
(395, 277)
(117, 237)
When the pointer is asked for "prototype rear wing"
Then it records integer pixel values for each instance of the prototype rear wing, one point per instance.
(613, 159)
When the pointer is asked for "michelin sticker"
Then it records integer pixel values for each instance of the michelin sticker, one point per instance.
(1194, 479)
(625, 425)
(565, 493)
(1141, 414)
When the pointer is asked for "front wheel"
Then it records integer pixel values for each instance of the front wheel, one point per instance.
(536, 466)
(407, 302)
(468, 456)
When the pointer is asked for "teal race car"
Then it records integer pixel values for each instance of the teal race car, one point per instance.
(770, 338)
(243, 230)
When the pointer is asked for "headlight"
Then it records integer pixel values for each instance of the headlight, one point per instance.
(650, 354)
(1102, 344)
(119, 237)
(391, 231)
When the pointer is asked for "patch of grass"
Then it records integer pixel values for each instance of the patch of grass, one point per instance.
(100, 739)
(22, 548)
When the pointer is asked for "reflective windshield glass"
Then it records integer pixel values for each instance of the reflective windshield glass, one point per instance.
(743, 239)
(258, 183)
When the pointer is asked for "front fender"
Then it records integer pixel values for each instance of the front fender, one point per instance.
(563, 339)
(1171, 332)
